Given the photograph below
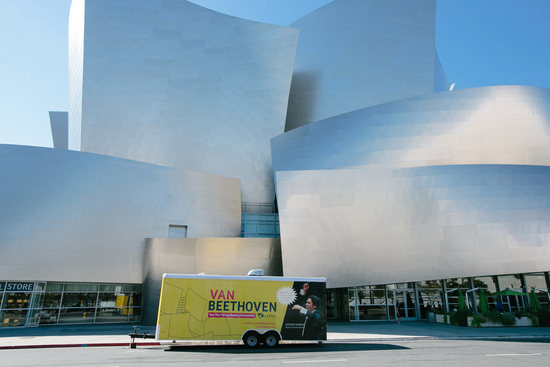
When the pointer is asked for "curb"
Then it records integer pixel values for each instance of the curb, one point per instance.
(40, 346)
(343, 340)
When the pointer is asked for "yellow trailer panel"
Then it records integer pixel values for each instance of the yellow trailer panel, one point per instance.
(202, 307)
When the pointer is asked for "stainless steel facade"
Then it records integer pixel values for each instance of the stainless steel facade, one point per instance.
(382, 225)
(355, 54)
(60, 129)
(175, 84)
(80, 217)
(490, 125)
(384, 177)
(223, 256)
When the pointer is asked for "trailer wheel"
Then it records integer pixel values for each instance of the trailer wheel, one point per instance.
(271, 339)
(251, 339)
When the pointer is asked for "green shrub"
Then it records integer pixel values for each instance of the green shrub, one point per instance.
(520, 314)
(476, 321)
(493, 316)
(508, 319)
(534, 319)
(482, 319)
(544, 317)
(446, 319)
(461, 317)
(452, 318)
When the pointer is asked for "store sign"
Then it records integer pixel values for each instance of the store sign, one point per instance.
(2, 286)
(19, 287)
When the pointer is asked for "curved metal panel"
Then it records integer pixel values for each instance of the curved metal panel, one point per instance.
(358, 53)
(491, 125)
(175, 84)
(380, 225)
(441, 82)
(73, 216)
(76, 64)
(59, 124)
(220, 256)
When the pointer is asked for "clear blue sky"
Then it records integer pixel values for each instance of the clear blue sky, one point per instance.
(480, 43)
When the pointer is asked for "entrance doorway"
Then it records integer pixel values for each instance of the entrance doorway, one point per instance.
(406, 300)
(337, 304)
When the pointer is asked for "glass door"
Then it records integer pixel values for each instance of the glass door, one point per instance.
(406, 300)
(367, 303)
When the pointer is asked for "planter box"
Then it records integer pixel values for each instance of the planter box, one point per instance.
(523, 321)
(490, 324)
(439, 318)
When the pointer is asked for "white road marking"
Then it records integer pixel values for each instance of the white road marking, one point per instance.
(513, 354)
(318, 361)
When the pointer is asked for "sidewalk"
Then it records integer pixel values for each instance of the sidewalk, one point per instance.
(384, 330)
(117, 335)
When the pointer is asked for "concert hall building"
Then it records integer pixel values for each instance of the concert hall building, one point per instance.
(336, 147)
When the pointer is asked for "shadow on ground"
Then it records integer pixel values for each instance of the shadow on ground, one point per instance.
(286, 348)
(62, 330)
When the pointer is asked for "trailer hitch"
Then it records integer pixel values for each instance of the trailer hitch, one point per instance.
(136, 335)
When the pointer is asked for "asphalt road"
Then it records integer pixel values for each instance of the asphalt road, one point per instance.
(501, 353)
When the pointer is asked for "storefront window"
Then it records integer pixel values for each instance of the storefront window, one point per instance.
(116, 288)
(136, 299)
(51, 300)
(510, 281)
(81, 287)
(489, 286)
(79, 299)
(14, 317)
(135, 314)
(112, 314)
(537, 282)
(430, 297)
(54, 287)
(44, 303)
(107, 300)
(33, 317)
(462, 283)
(48, 317)
(486, 283)
(76, 315)
(452, 295)
(17, 300)
(367, 303)
(513, 282)
(37, 300)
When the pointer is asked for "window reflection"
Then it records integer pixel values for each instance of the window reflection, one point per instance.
(430, 297)
(52, 300)
(79, 299)
(76, 315)
(13, 317)
(71, 303)
(17, 300)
